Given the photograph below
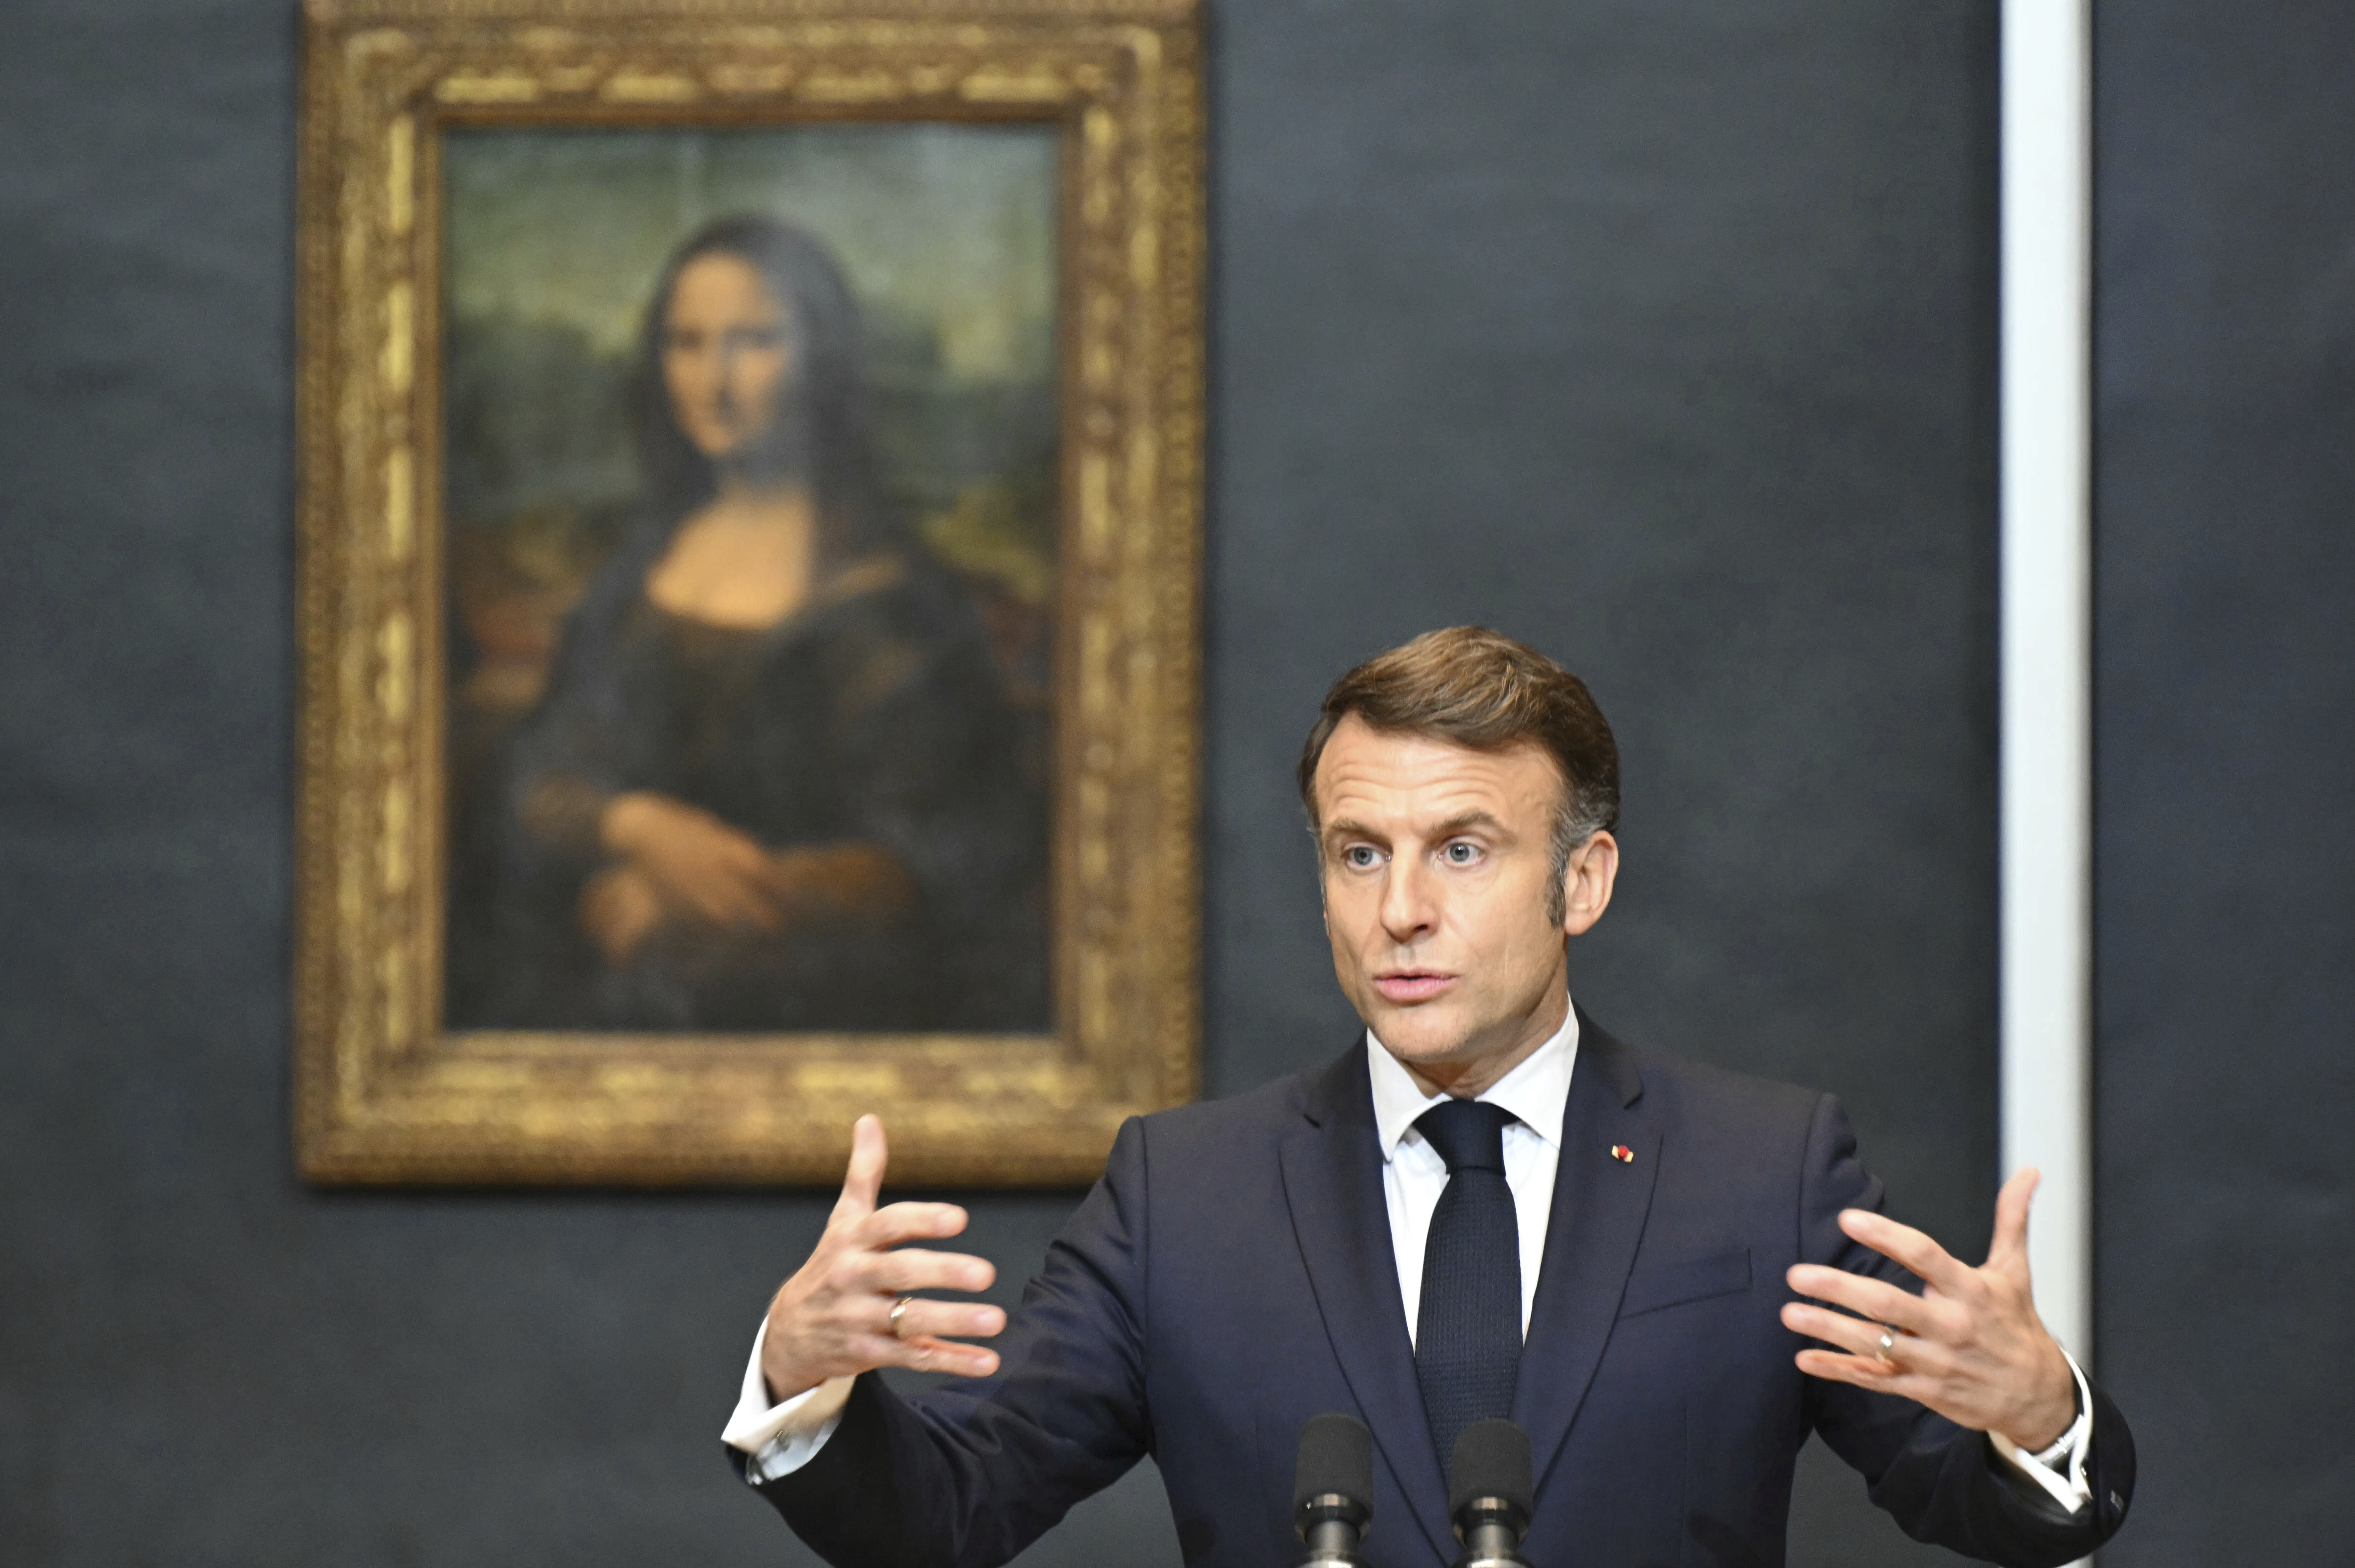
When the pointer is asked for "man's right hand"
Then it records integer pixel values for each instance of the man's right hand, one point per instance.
(833, 1319)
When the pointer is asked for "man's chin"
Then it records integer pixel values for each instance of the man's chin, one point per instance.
(1418, 1034)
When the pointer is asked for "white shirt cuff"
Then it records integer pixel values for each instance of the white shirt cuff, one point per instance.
(780, 1439)
(2060, 1468)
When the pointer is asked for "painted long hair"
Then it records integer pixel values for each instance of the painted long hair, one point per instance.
(821, 434)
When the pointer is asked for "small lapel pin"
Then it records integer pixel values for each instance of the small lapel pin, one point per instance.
(1622, 1153)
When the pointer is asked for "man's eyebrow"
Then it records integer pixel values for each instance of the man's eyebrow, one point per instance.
(1463, 821)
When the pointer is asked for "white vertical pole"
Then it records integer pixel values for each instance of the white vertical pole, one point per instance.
(2047, 649)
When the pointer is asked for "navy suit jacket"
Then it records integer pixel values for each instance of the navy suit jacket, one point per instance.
(1233, 1276)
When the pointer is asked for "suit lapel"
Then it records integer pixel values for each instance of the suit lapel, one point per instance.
(1333, 1185)
(1600, 1203)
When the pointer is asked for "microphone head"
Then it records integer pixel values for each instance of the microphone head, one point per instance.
(1337, 1459)
(1491, 1460)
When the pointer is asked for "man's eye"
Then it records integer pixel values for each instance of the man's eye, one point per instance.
(1461, 853)
(1359, 857)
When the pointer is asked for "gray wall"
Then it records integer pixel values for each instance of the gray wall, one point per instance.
(2226, 851)
(1660, 332)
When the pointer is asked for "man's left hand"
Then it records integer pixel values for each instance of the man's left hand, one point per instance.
(1970, 1346)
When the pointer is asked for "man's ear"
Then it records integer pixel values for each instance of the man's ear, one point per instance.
(1316, 858)
(1586, 883)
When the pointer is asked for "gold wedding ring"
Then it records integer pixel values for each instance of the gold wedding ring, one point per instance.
(1888, 1341)
(899, 1310)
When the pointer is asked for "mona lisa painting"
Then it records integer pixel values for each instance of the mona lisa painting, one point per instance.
(769, 770)
(748, 548)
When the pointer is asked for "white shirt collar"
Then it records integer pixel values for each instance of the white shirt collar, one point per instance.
(1535, 1090)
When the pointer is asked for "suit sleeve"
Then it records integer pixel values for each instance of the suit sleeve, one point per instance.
(968, 1474)
(1941, 1482)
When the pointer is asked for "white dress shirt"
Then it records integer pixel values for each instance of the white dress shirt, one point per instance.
(1536, 1091)
(779, 1438)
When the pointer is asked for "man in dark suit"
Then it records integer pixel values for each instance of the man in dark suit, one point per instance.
(1488, 1207)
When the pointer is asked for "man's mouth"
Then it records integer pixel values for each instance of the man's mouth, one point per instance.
(1410, 986)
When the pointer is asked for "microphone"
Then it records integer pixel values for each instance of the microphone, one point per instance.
(1333, 1489)
(1490, 1494)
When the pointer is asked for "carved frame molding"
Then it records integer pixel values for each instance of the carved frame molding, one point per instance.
(382, 1092)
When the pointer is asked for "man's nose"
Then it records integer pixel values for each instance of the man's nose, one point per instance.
(1406, 908)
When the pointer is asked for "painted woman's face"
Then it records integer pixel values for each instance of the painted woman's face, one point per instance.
(726, 350)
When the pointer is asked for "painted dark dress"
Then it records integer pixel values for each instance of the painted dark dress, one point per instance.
(874, 714)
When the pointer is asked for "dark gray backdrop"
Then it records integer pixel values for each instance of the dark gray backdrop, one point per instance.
(1660, 332)
(2225, 681)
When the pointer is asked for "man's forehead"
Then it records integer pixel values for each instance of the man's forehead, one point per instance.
(1364, 769)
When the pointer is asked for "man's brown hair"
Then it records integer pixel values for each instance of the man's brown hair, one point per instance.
(1482, 690)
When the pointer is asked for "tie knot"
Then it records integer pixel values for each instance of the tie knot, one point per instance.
(1468, 1133)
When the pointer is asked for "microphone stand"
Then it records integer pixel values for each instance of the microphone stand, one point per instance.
(1331, 1524)
(1491, 1530)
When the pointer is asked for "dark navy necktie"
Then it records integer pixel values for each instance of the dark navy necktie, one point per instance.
(1467, 1338)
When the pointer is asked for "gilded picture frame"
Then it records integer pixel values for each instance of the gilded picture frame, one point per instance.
(395, 1082)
